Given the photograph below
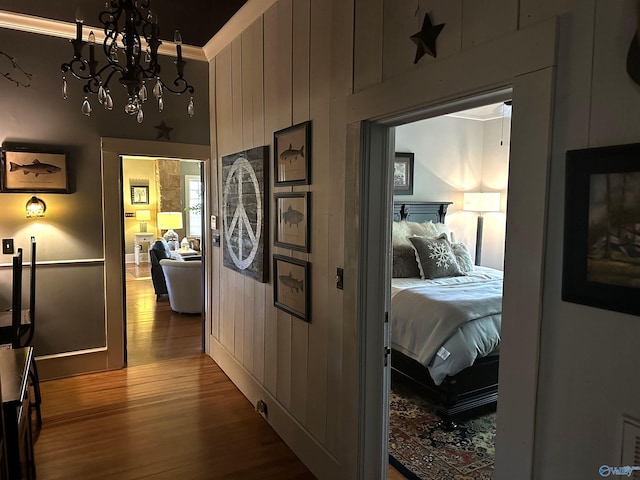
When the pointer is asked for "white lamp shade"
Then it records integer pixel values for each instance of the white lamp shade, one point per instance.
(481, 202)
(143, 215)
(169, 220)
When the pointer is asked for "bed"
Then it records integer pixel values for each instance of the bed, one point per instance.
(445, 330)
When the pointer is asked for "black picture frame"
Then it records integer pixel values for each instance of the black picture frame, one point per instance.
(403, 173)
(291, 286)
(139, 194)
(292, 155)
(34, 169)
(601, 262)
(292, 221)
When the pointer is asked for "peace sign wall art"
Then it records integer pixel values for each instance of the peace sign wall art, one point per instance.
(245, 212)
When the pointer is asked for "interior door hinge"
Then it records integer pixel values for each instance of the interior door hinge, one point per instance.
(386, 317)
(387, 352)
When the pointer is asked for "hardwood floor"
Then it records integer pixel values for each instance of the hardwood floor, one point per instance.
(154, 331)
(172, 413)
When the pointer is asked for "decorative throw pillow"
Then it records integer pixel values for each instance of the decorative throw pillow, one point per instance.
(404, 262)
(463, 257)
(400, 233)
(435, 257)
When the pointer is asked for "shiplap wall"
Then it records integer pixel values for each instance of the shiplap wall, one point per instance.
(275, 74)
(296, 73)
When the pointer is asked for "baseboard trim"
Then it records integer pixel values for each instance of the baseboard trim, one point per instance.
(67, 365)
(320, 461)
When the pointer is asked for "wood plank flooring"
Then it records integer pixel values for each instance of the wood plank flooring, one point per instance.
(171, 414)
(154, 331)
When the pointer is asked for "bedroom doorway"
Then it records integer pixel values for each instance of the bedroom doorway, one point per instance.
(449, 379)
(371, 147)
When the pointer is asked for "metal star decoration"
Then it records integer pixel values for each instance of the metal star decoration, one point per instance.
(164, 131)
(425, 39)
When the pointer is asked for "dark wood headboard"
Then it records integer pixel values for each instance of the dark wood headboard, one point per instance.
(420, 211)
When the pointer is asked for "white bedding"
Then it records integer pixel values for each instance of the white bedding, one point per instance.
(459, 323)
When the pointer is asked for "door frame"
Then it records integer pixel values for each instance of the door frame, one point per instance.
(530, 74)
(115, 303)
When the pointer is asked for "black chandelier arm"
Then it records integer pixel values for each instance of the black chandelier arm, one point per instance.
(77, 66)
(181, 85)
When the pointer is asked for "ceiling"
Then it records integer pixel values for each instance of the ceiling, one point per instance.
(198, 22)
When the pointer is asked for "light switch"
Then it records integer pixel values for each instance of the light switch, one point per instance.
(7, 246)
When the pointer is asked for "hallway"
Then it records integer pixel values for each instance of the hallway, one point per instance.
(171, 414)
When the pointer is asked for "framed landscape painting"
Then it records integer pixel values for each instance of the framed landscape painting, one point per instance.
(601, 265)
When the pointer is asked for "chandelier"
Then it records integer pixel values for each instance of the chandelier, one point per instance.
(131, 49)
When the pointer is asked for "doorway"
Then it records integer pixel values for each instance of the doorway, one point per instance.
(112, 151)
(155, 330)
(443, 162)
(373, 143)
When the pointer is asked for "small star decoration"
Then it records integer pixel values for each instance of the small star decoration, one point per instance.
(164, 131)
(425, 39)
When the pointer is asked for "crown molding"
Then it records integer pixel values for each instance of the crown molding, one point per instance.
(55, 28)
(242, 20)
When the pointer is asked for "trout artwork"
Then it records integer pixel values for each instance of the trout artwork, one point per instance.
(36, 168)
(292, 220)
(293, 155)
(34, 171)
(291, 291)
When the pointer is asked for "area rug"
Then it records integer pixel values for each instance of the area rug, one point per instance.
(422, 450)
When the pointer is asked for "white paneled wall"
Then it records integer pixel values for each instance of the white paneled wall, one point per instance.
(276, 74)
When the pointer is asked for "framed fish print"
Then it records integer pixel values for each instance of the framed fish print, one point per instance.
(292, 155)
(25, 169)
(291, 291)
(292, 220)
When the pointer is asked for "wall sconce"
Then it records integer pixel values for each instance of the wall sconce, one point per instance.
(481, 202)
(35, 207)
(143, 216)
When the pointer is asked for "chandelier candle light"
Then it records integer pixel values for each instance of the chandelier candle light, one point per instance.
(126, 23)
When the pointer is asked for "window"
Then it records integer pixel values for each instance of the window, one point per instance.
(193, 201)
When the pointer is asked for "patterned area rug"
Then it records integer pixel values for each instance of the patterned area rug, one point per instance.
(422, 450)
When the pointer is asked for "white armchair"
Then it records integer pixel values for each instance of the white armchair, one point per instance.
(184, 284)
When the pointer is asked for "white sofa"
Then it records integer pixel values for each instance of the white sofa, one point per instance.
(184, 284)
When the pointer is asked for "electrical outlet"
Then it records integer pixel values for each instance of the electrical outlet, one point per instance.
(261, 407)
(7, 246)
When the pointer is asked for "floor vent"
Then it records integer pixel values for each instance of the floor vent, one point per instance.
(631, 444)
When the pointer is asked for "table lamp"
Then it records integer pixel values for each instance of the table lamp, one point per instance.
(143, 216)
(168, 221)
(481, 202)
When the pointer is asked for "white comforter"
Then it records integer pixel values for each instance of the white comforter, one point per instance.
(446, 323)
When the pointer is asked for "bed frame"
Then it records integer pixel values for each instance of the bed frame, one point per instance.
(471, 391)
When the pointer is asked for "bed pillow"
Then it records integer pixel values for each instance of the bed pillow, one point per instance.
(400, 233)
(463, 257)
(435, 257)
(404, 262)
(403, 230)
